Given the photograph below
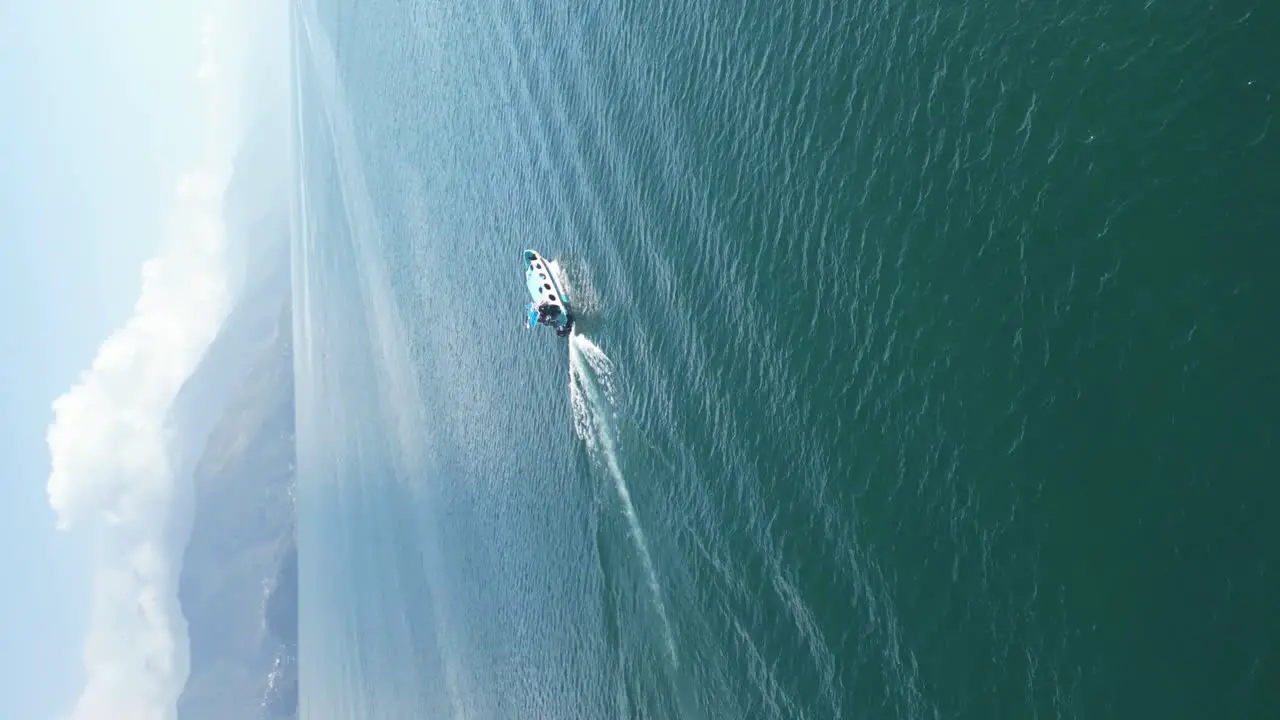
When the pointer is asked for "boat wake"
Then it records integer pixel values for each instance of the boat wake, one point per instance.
(581, 293)
(593, 394)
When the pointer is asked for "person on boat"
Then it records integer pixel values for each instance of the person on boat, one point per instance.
(547, 313)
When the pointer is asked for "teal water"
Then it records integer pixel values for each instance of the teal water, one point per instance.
(926, 366)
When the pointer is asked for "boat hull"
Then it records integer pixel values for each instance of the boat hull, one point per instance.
(545, 288)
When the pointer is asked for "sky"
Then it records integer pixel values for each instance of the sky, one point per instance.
(118, 123)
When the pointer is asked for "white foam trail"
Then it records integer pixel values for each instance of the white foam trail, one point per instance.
(592, 393)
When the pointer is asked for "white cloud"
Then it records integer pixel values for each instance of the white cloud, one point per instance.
(110, 469)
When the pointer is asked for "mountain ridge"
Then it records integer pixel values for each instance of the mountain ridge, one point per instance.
(231, 448)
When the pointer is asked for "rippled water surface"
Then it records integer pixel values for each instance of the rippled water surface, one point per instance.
(926, 364)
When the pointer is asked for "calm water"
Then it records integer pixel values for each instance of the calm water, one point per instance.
(927, 366)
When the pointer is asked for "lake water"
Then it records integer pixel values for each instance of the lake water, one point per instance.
(926, 366)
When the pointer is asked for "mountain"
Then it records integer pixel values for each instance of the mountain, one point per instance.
(281, 700)
(256, 219)
(238, 584)
(231, 446)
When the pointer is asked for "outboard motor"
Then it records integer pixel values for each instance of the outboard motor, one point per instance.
(567, 328)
